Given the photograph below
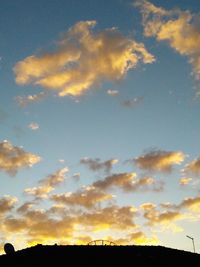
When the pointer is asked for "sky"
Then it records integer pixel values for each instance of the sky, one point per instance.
(99, 116)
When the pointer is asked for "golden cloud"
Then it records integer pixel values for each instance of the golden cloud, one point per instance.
(114, 217)
(82, 59)
(48, 184)
(185, 181)
(166, 217)
(13, 158)
(192, 203)
(86, 198)
(37, 225)
(159, 160)
(179, 28)
(140, 238)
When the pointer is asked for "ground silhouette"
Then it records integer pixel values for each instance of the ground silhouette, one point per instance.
(63, 256)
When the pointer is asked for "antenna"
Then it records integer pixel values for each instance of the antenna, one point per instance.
(192, 241)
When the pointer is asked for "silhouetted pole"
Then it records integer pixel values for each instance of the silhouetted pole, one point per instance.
(192, 241)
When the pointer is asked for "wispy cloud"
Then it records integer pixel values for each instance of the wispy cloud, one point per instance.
(97, 164)
(181, 29)
(33, 126)
(131, 103)
(82, 59)
(112, 92)
(13, 158)
(23, 101)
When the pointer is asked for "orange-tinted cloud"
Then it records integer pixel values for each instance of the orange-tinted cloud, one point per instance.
(158, 160)
(82, 59)
(13, 158)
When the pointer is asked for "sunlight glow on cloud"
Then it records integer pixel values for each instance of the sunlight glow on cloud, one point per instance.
(158, 160)
(185, 181)
(48, 184)
(181, 29)
(86, 198)
(13, 158)
(82, 59)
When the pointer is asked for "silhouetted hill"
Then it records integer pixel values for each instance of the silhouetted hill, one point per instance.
(63, 256)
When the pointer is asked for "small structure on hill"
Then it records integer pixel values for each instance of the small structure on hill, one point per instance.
(101, 242)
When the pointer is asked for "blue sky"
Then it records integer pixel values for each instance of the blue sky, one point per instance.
(99, 114)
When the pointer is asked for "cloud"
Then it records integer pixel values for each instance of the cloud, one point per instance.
(33, 126)
(82, 59)
(165, 218)
(185, 181)
(158, 160)
(131, 103)
(23, 101)
(193, 167)
(112, 92)
(181, 29)
(140, 238)
(114, 217)
(7, 203)
(87, 198)
(192, 203)
(13, 158)
(38, 226)
(48, 184)
(129, 183)
(97, 164)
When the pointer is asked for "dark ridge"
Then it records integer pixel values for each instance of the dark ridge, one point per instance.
(61, 256)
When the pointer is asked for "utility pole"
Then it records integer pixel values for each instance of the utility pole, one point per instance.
(192, 241)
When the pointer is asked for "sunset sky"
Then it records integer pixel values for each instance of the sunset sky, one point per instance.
(99, 115)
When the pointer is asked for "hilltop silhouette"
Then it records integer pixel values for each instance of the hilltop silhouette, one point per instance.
(65, 255)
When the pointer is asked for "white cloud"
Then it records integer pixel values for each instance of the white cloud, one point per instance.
(33, 126)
